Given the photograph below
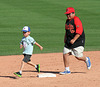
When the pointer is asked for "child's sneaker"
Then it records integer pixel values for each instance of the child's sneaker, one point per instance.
(18, 74)
(38, 68)
(65, 72)
(88, 63)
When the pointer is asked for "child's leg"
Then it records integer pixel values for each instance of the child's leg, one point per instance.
(22, 65)
(19, 74)
(25, 60)
(30, 63)
(36, 66)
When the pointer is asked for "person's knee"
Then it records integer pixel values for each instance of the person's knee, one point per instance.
(67, 54)
(81, 58)
(77, 58)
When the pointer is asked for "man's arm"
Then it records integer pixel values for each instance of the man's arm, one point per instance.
(75, 38)
(65, 38)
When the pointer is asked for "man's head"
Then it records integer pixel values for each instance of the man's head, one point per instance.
(70, 12)
(26, 31)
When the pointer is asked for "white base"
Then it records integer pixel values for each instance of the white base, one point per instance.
(46, 75)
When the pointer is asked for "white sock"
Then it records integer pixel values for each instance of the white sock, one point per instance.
(20, 72)
(35, 66)
(67, 68)
(86, 59)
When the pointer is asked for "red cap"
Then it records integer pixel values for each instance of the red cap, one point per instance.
(69, 10)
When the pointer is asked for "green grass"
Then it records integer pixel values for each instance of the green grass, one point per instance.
(47, 22)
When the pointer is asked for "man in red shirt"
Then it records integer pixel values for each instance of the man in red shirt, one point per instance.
(74, 40)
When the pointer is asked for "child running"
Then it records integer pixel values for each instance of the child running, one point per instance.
(27, 43)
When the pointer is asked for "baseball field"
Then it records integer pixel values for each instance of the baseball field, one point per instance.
(47, 22)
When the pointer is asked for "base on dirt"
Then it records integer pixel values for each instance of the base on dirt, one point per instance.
(46, 75)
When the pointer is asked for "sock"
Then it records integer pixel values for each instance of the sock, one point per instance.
(20, 72)
(86, 59)
(35, 66)
(67, 68)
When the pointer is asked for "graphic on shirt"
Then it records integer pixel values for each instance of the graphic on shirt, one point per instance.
(70, 27)
(24, 44)
(28, 45)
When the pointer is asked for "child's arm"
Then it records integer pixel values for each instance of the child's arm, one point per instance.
(39, 45)
(21, 46)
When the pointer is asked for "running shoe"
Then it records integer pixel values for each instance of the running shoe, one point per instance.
(38, 68)
(18, 74)
(88, 63)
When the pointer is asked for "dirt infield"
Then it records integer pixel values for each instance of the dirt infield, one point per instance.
(50, 63)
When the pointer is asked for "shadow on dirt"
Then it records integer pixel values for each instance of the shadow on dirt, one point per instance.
(78, 72)
(12, 77)
(55, 72)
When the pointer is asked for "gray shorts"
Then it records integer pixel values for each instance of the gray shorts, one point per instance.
(77, 52)
(27, 58)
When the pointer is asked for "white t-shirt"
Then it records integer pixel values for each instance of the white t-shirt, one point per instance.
(28, 43)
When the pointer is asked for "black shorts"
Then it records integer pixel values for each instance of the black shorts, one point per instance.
(27, 58)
